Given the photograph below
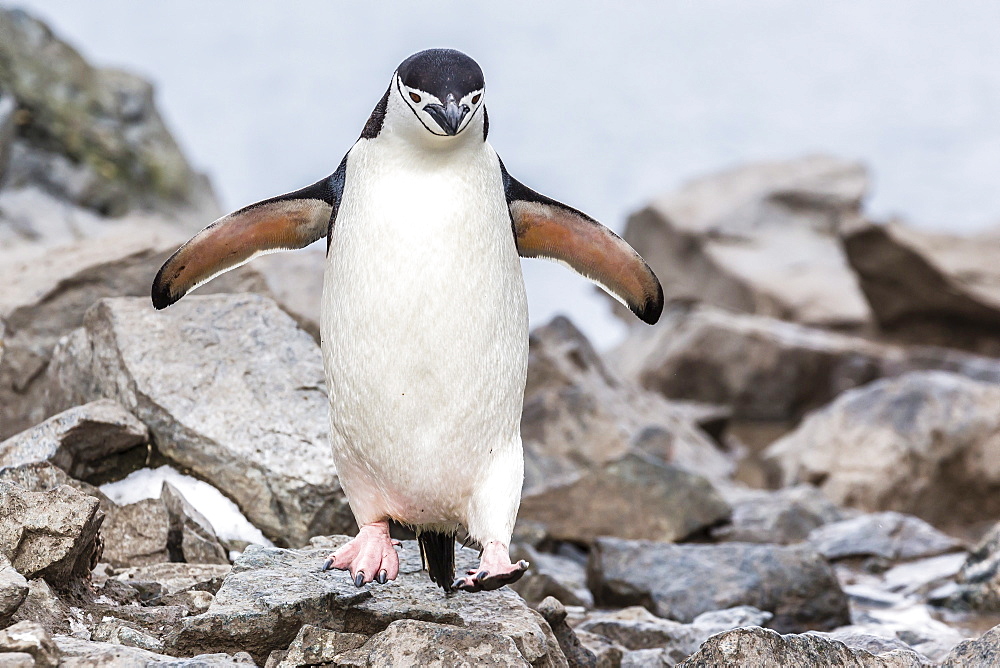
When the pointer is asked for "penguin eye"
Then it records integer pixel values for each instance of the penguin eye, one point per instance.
(414, 97)
(475, 100)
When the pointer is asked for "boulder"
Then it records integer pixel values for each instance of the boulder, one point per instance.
(91, 135)
(889, 535)
(192, 538)
(925, 443)
(79, 653)
(295, 281)
(51, 534)
(30, 638)
(45, 297)
(755, 646)
(43, 606)
(930, 288)
(555, 615)
(272, 592)
(314, 645)
(793, 583)
(984, 651)
(761, 238)
(551, 575)
(766, 369)
(230, 388)
(783, 516)
(13, 590)
(593, 442)
(85, 441)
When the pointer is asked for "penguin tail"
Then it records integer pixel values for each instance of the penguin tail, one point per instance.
(437, 554)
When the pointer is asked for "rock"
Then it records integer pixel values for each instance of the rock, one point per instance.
(766, 369)
(78, 653)
(195, 539)
(979, 577)
(408, 642)
(174, 578)
(314, 645)
(929, 288)
(553, 576)
(922, 576)
(984, 651)
(587, 432)
(295, 280)
(83, 441)
(717, 621)
(42, 606)
(603, 501)
(755, 646)
(13, 590)
(52, 534)
(608, 654)
(8, 105)
(761, 238)
(925, 443)
(637, 628)
(30, 638)
(96, 135)
(231, 389)
(17, 660)
(46, 296)
(782, 516)
(794, 583)
(555, 615)
(888, 535)
(272, 592)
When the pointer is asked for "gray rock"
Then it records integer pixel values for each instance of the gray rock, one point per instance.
(41, 605)
(856, 638)
(552, 575)
(175, 578)
(608, 654)
(272, 592)
(409, 642)
(555, 615)
(638, 496)
(231, 389)
(889, 535)
(915, 444)
(766, 369)
(45, 297)
(922, 576)
(8, 105)
(193, 539)
(137, 534)
(717, 621)
(295, 281)
(52, 534)
(637, 628)
(315, 645)
(755, 646)
(984, 651)
(783, 516)
(930, 288)
(30, 638)
(760, 238)
(979, 577)
(794, 583)
(17, 660)
(13, 590)
(79, 653)
(103, 121)
(83, 441)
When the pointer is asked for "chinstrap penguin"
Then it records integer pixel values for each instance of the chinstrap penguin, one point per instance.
(424, 322)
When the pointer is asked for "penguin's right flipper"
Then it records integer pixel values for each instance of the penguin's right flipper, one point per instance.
(285, 222)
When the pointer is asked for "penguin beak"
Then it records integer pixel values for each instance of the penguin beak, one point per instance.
(449, 115)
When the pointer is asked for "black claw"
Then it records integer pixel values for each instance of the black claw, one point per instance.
(359, 579)
(457, 584)
(482, 575)
(523, 565)
(328, 564)
(382, 577)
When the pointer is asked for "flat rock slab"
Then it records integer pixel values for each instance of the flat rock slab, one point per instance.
(78, 653)
(760, 238)
(272, 592)
(231, 389)
(889, 535)
(793, 583)
(755, 646)
(83, 440)
(53, 535)
(921, 443)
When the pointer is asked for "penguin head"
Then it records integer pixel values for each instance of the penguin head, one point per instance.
(441, 89)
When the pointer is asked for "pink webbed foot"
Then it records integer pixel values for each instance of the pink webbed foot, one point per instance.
(495, 570)
(369, 556)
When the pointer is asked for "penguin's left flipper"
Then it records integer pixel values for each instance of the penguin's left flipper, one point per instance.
(549, 229)
(286, 222)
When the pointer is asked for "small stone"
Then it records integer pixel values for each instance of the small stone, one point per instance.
(889, 535)
(13, 590)
(314, 645)
(30, 638)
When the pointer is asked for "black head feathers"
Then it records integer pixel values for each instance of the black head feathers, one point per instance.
(440, 72)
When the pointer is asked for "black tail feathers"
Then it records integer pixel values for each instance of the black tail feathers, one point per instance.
(437, 553)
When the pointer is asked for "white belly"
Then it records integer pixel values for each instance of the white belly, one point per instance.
(424, 331)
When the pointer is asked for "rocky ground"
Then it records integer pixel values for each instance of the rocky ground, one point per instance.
(797, 466)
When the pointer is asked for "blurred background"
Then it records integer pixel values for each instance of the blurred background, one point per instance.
(599, 107)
